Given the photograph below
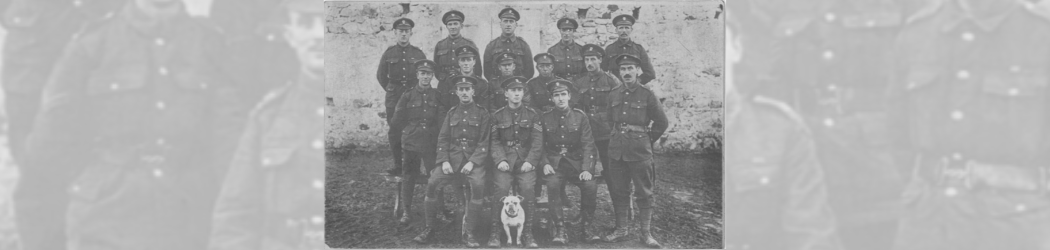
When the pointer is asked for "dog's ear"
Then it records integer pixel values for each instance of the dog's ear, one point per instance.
(520, 198)
(502, 198)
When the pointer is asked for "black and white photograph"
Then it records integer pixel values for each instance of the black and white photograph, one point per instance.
(524, 124)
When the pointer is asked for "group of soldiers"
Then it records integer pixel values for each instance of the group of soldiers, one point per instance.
(487, 121)
(881, 124)
(127, 123)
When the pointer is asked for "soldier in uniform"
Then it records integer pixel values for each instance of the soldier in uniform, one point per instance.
(396, 74)
(568, 60)
(638, 120)
(37, 31)
(516, 148)
(970, 88)
(595, 86)
(569, 145)
(417, 115)
(495, 95)
(537, 87)
(138, 108)
(624, 45)
(507, 42)
(467, 57)
(461, 151)
(259, 58)
(776, 197)
(444, 55)
(273, 194)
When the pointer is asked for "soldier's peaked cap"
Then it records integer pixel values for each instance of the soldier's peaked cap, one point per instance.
(560, 85)
(465, 51)
(464, 81)
(509, 13)
(543, 58)
(404, 23)
(623, 20)
(567, 23)
(453, 15)
(514, 82)
(425, 65)
(505, 57)
(627, 59)
(593, 50)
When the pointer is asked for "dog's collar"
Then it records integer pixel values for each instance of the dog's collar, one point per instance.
(511, 215)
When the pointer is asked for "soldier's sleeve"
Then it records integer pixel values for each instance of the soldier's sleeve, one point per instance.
(536, 150)
(490, 71)
(530, 69)
(228, 112)
(478, 65)
(589, 151)
(440, 72)
(657, 116)
(59, 139)
(382, 71)
(443, 140)
(237, 221)
(399, 112)
(478, 158)
(648, 74)
(496, 147)
(607, 59)
(808, 221)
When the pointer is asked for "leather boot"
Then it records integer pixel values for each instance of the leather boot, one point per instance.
(585, 224)
(645, 215)
(526, 238)
(559, 227)
(471, 216)
(621, 231)
(494, 241)
(429, 210)
(407, 188)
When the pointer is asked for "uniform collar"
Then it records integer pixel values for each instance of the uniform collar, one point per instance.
(625, 41)
(407, 45)
(507, 37)
(631, 87)
(561, 111)
(465, 105)
(987, 15)
(568, 43)
(420, 88)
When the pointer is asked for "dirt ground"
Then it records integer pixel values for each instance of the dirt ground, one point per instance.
(688, 209)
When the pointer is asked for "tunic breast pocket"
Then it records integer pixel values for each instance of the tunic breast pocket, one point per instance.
(636, 111)
(524, 129)
(468, 128)
(1014, 100)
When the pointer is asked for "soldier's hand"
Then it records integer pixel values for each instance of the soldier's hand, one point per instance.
(466, 168)
(586, 176)
(446, 168)
(526, 167)
(503, 166)
(548, 170)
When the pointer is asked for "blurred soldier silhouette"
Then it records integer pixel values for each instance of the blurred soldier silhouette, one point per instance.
(507, 42)
(138, 112)
(568, 55)
(832, 63)
(397, 74)
(444, 54)
(37, 31)
(259, 60)
(273, 196)
(776, 197)
(970, 88)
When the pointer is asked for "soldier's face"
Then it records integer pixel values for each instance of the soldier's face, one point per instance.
(593, 63)
(624, 30)
(466, 94)
(508, 25)
(424, 77)
(507, 69)
(514, 95)
(568, 34)
(403, 35)
(629, 73)
(545, 69)
(466, 64)
(305, 34)
(561, 99)
(453, 27)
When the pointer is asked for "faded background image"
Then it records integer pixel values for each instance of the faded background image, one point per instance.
(684, 40)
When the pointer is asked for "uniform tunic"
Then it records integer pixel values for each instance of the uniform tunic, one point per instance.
(445, 57)
(568, 59)
(509, 44)
(620, 46)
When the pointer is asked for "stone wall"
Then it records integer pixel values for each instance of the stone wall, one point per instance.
(684, 42)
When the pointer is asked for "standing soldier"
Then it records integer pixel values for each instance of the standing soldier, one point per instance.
(495, 96)
(568, 62)
(537, 87)
(138, 109)
(396, 74)
(508, 43)
(417, 115)
(632, 107)
(624, 45)
(37, 32)
(467, 57)
(595, 86)
(444, 51)
(516, 148)
(273, 195)
(971, 78)
(569, 145)
(461, 151)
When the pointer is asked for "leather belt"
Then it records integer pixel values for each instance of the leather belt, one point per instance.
(954, 170)
(624, 128)
(512, 143)
(562, 148)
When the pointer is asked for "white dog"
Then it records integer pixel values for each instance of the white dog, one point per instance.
(513, 216)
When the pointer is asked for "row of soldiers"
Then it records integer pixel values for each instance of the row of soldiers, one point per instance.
(515, 127)
(127, 123)
(876, 124)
